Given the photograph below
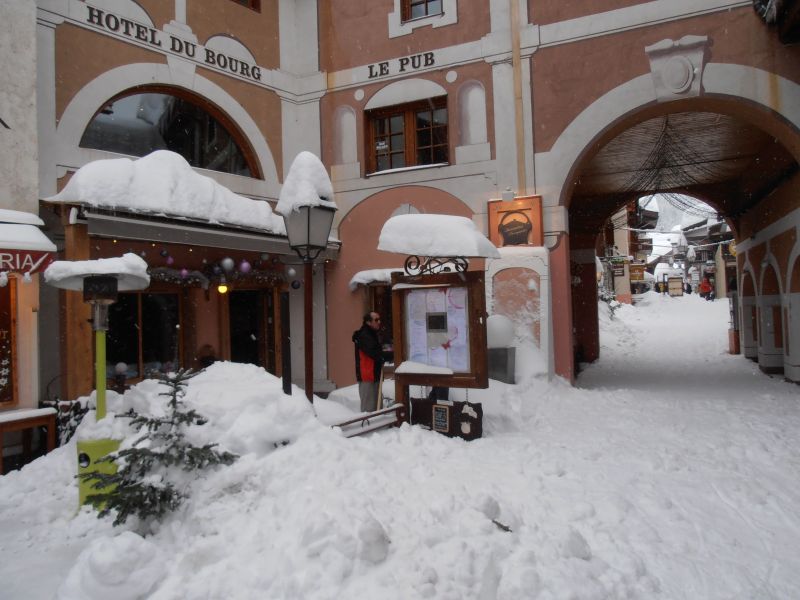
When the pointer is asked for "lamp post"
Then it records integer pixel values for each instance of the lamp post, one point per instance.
(308, 228)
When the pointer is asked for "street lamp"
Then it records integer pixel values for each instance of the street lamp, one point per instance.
(308, 228)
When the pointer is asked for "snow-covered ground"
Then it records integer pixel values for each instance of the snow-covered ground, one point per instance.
(671, 471)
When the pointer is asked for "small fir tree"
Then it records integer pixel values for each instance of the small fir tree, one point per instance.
(141, 485)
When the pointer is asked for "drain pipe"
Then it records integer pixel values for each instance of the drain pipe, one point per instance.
(516, 65)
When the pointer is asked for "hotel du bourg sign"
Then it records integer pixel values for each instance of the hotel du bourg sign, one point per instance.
(126, 29)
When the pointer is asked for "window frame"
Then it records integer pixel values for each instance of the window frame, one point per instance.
(211, 109)
(408, 111)
(405, 9)
(159, 290)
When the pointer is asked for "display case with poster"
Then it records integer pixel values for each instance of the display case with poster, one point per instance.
(439, 331)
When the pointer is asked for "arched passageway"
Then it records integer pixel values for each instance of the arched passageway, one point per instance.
(740, 159)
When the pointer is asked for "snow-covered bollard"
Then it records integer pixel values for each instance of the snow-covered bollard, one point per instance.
(502, 354)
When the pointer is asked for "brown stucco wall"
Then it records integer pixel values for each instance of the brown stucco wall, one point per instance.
(349, 31)
(257, 30)
(775, 206)
(83, 55)
(568, 78)
(542, 12)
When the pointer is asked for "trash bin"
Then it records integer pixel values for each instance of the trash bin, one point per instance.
(89, 453)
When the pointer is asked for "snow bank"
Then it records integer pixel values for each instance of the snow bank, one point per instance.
(669, 472)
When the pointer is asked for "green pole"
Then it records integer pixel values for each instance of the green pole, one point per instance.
(100, 371)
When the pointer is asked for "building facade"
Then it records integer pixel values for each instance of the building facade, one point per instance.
(431, 106)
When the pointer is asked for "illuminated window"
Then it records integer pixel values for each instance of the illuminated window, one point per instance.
(408, 135)
(138, 124)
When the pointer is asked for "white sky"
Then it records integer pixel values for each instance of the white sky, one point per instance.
(670, 472)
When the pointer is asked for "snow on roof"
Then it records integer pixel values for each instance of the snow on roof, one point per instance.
(163, 183)
(372, 276)
(130, 270)
(18, 216)
(307, 184)
(19, 230)
(14, 236)
(435, 235)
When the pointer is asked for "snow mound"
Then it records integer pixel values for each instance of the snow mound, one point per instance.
(125, 567)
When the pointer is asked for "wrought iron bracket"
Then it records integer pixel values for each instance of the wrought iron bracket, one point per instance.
(429, 265)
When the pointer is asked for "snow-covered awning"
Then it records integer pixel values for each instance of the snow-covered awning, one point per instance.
(164, 184)
(129, 270)
(372, 276)
(23, 247)
(435, 235)
(160, 198)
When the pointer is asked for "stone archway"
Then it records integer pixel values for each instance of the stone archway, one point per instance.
(633, 106)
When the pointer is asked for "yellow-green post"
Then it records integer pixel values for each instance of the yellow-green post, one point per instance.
(100, 371)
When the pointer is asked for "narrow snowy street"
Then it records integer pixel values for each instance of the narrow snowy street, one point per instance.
(669, 472)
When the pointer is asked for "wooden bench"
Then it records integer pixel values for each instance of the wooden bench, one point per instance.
(25, 420)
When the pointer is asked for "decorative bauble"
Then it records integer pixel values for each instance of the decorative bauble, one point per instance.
(291, 272)
(227, 264)
(244, 267)
(216, 269)
(295, 284)
(170, 260)
(184, 273)
(164, 252)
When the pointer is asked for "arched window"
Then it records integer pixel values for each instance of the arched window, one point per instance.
(137, 123)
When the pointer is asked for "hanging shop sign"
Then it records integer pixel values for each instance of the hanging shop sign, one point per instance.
(440, 323)
(8, 344)
(618, 267)
(636, 271)
(516, 222)
(24, 261)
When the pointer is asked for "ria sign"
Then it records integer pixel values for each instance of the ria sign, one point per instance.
(24, 261)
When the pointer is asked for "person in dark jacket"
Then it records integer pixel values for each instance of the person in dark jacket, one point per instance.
(369, 361)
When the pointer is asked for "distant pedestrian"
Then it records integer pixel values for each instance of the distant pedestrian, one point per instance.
(369, 361)
(704, 289)
(687, 287)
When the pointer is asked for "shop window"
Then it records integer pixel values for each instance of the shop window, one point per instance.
(143, 333)
(408, 135)
(141, 123)
(417, 9)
